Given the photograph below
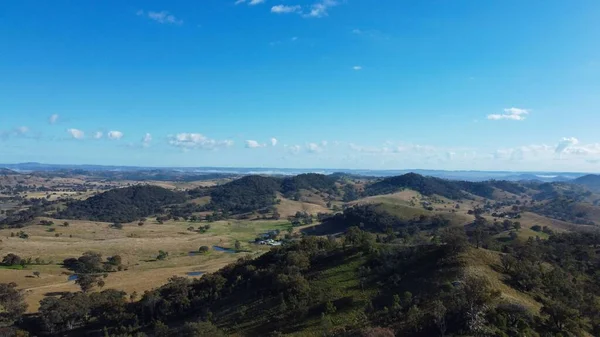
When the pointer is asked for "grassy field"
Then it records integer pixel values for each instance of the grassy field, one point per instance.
(137, 245)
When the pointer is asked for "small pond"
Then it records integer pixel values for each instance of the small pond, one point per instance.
(195, 273)
(226, 250)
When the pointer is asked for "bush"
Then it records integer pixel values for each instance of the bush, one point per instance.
(203, 249)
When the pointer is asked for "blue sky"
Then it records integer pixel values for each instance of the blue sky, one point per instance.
(389, 84)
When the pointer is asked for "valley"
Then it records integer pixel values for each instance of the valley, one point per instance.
(165, 232)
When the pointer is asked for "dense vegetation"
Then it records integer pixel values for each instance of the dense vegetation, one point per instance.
(374, 219)
(429, 186)
(425, 185)
(354, 286)
(123, 204)
(307, 181)
(244, 195)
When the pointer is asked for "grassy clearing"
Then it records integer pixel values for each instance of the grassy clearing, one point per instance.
(137, 245)
(289, 207)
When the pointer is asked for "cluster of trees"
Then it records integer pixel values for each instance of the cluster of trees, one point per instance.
(301, 218)
(123, 204)
(371, 217)
(429, 186)
(564, 209)
(245, 195)
(564, 273)
(413, 290)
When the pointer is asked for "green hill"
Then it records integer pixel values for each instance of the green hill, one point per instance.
(122, 204)
(246, 194)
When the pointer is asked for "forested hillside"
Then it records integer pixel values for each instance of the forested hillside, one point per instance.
(122, 204)
(360, 285)
(245, 194)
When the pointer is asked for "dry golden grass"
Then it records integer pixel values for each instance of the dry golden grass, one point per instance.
(137, 245)
(485, 263)
(289, 207)
(403, 197)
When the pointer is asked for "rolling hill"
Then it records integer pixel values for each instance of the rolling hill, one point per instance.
(123, 204)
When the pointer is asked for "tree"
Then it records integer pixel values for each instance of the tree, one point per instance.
(438, 313)
(162, 255)
(536, 228)
(508, 262)
(117, 225)
(455, 239)
(12, 304)
(11, 260)
(87, 282)
(560, 315)
(66, 224)
(517, 225)
(203, 249)
(237, 245)
(36, 274)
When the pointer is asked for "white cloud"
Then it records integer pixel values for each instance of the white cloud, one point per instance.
(115, 135)
(273, 141)
(197, 141)
(321, 9)
(75, 133)
(515, 114)
(357, 68)
(283, 9)
(53, 119)
(252, 144)
(146, 140)
(565, 143)
(314, 148)
(237, 2)
(294, 149)
(161, 17)
(98, 135)
(255, 2)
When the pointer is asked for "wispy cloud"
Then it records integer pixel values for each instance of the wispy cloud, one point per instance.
(115, 135)
(273, 141)
(76, 133)
(98, 135)
(252, 144)
(284, 9)
(53, 119)
(161, 17)
(146, 140)
(314, 148)
(197, 141)
(256, 2)
(357, 68)
(320, 9)
(293, 149)
(516, 114)
(21, 132)
(317, 10)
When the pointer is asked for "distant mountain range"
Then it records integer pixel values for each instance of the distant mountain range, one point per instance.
(452, 175)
